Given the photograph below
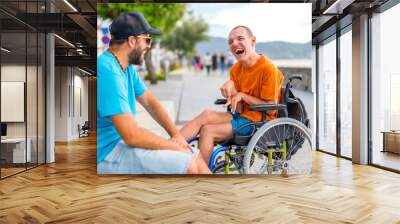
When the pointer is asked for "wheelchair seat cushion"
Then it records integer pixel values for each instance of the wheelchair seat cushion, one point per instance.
(238, 140)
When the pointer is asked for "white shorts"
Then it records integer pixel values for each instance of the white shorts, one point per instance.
(124, 159)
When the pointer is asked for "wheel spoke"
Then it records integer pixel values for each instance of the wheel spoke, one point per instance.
(273, 135)
(299, 141)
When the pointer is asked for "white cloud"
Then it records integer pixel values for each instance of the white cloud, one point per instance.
(268, 21)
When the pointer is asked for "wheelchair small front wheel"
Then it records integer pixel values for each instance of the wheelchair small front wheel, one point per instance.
(281, 146)
(219, 168)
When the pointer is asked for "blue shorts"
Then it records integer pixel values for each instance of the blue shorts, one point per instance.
(237, 121)
(124, 159)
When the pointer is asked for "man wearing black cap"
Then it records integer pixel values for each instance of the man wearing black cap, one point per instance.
(122, 146)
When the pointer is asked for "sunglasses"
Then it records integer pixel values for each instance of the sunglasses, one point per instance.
(148, 39)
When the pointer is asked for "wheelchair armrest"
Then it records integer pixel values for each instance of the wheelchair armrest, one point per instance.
(263, 108)
(220, 101)
(267, 107)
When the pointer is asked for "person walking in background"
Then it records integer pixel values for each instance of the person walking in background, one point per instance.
(208, 62)
(214, 59)
(196, 63)
(222, 63)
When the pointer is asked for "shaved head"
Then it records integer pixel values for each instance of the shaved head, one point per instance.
(248, 30)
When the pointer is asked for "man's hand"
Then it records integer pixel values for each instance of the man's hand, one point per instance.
(178, 147)
(228, 102)
(180, 140)
(228, 89)
(136, 136)
(235, 102)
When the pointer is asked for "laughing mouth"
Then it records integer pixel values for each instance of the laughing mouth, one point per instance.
(239, 51)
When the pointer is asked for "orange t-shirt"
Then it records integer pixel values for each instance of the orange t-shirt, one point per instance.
(263, 80)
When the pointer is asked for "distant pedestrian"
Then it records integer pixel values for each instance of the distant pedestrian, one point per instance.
(194, 63)
(214, 59)
(208, 62)
(197, 65)
(222, 62)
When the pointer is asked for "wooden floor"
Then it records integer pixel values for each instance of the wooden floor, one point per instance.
(387, 159)
(70, 191)
(10, 171)
(5, 172)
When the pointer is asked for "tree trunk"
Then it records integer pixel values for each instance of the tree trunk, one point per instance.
(150, 67)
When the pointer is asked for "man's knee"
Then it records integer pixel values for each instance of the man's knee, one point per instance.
(192, 169)
(206, 130)
(206, 115)
(211, 131)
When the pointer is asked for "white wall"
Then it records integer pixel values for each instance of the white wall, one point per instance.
(33, 127)
(13, 73)
(70, 83)
(80, 98)
(62, 82)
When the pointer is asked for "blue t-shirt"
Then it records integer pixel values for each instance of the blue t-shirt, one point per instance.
(116, 92)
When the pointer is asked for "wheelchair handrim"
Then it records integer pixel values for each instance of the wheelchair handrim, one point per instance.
(214, 155)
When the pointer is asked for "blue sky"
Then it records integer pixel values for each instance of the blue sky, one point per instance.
(268, 21)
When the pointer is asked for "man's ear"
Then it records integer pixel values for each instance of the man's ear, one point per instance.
(131, 41)
(253, 41)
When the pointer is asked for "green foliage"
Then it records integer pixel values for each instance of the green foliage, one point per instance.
(184, 38)
(174, 67)
(160, 16)
(160, 76)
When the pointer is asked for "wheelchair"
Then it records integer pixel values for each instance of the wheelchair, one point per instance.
(280, 146)
(83, 130)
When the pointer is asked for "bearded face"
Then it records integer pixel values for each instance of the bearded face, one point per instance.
(136, 56)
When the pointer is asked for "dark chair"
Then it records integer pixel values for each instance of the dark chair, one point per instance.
(84, 129)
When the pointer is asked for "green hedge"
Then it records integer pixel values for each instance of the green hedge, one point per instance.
(173, 67)
(160, 76)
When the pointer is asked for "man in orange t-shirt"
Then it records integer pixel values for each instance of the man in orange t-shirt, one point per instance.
(254, 79)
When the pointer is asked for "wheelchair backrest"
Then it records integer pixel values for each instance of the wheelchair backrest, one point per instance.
(295, 106)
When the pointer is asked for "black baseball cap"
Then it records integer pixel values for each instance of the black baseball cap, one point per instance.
(131, 24)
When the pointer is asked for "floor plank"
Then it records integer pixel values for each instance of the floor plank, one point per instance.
(70, 191)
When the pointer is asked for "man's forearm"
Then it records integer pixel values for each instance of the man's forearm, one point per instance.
(143, 138)
(254, 100)
(136, 136)
(159, 114)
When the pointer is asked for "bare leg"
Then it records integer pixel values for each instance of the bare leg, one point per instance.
(192, 169)
(210, 134)
(202, 166)
(198, 166)
(191, 129)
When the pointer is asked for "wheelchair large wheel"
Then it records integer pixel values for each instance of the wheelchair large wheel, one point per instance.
(274, 136)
